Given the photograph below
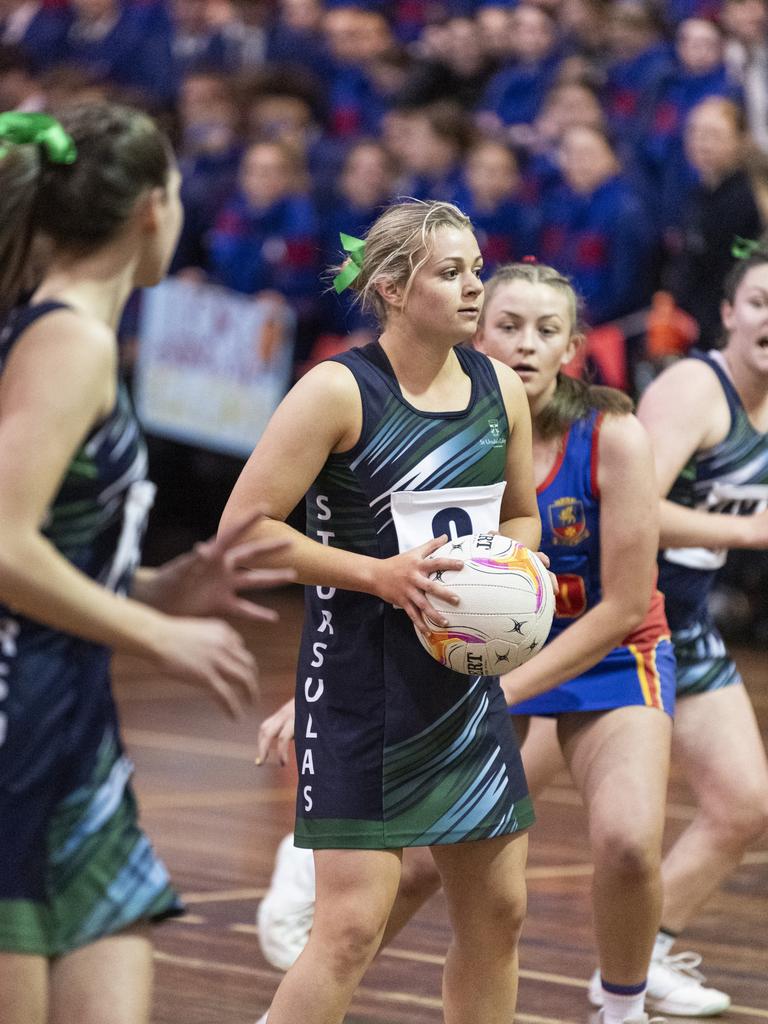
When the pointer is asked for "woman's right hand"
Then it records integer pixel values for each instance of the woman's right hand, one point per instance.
(210, 654)
(403, 580)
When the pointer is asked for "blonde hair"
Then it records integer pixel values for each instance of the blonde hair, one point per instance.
(398, 244)
(573, 398)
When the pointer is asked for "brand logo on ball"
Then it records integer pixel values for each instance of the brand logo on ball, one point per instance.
(505, 606)
(568, 521)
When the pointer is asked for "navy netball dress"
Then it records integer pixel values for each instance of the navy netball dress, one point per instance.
(729, 478)
(394, 749)
(74, 866)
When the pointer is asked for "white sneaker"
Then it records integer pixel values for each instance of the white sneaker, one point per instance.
(675, 987)
(642, 1019)
(285, 914)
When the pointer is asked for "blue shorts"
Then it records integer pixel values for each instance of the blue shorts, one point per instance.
(703, 664)
(628, 676)
(74, 864)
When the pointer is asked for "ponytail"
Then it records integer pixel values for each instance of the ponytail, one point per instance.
(573, 399)
(20, 176)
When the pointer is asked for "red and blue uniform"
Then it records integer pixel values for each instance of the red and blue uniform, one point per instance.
(641, 669)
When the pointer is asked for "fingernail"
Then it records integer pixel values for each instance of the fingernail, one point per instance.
(258, 760)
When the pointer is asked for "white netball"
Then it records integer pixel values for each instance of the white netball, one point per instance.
(505, 609)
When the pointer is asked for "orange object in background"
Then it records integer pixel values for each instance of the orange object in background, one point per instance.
(671, 331)
(606, 348)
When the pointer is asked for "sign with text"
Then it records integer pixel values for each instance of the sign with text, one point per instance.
(212, 364)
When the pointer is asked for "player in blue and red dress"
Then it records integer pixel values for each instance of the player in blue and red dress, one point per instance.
(607, 674)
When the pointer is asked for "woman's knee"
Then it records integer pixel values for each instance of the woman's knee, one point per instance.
(348, 940)
(633, 856)
(739, 821)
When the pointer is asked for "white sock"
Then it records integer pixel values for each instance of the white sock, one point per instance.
(262, 1020)
(663, 944)
(618, 1008)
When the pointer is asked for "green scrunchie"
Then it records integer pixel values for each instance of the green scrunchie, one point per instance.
(42, 129)
(744, 248)
(356, 249)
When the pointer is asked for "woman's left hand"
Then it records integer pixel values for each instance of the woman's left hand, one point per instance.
(208, 580)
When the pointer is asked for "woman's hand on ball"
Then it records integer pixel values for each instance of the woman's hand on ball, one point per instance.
(403, 581)
(543, 557)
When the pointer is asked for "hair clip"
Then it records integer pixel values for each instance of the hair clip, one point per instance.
(745, 248)
(353, 264)
(529, 259)
(19, 128)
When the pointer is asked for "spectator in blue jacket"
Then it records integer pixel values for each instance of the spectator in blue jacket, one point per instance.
(214, 37)
(209, 154)
(39, 29)
(720, 206)
(356, 38)
(638, 56)
(698, 71)
(128, 44)
(365, 186)
(515, 93)
(429, 144)
(505, 226)
(265, 238)
(595, 228)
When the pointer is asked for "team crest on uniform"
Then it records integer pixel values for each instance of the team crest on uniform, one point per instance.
(493, 438)
(568, 521)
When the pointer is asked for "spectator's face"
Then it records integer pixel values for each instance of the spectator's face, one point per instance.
(284, 118)
(491, 173)
(699, 46)
(629, 29)
(190, 15)
(463, 49)
(747, 20)
(532, 33)
(266, 175)
(713, 143)
(421, 149)
(301, 15)
(207, 112)
(367, 179)
(93, 10)
(587, 160)
(355, 36)
(568, 106)
(495, 27)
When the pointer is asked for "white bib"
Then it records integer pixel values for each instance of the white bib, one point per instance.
(455, 511)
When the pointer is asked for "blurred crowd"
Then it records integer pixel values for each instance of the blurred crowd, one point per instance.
(623, 141)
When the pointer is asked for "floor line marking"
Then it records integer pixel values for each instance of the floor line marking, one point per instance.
(363, 991)
(222, 896)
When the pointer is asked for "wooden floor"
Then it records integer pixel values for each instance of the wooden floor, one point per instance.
(217, 819)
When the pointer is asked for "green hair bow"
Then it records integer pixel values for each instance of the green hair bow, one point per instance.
(744, 248)
(19, 128)
(353, 265)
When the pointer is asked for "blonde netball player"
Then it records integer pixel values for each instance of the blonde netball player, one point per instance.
(407, 439)
(607, 674)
